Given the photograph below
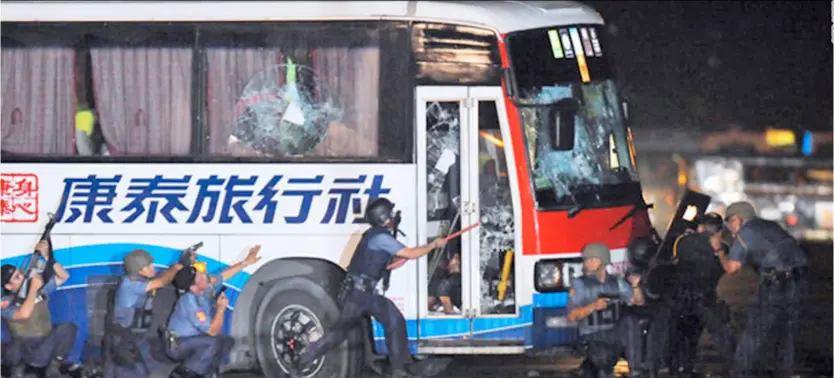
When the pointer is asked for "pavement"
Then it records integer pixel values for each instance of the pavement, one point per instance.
(814, 347)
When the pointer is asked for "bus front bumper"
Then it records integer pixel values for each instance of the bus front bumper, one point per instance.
(551, 328)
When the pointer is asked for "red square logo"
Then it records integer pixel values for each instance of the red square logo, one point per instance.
(19, 197)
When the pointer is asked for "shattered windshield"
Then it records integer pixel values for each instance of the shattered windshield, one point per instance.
(568, 62)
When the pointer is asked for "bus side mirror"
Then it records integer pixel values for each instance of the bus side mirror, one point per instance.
(562, 120)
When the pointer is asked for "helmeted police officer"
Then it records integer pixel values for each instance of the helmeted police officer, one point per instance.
(782, 267)
(37, 347)
(596, 302)
(360, 299)
(693, 296)
(128, 350)
(198, 317)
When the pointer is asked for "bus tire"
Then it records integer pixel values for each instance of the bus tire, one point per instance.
(302, 295)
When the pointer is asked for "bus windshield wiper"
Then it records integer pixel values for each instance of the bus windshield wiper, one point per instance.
(637, 207)
(580, 205)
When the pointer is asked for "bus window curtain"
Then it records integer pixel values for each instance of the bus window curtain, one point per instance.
(38, 106)
(143, 98)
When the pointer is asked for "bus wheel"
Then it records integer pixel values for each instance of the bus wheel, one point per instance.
(293, 314)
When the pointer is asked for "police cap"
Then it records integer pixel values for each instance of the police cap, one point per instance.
(184, 278)
(742, 209)
(6, 272)
(136, 261)
(379, 212)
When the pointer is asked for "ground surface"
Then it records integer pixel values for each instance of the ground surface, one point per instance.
(814, 347)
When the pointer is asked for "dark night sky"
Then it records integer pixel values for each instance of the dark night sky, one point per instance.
(707, 64)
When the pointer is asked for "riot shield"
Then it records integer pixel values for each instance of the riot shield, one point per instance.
(691, 206)
(660, 268)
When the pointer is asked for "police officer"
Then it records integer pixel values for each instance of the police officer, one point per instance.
(38, 347)
(198, 317)
(360, 299)
(129, 352)
(694, 298)
(596, 301)
(782, 267)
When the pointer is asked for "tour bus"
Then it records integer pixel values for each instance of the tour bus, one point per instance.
(157, 125)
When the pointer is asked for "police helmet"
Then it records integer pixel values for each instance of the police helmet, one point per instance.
(712, 222)
(641, 251)
(136, 261)
(6, 272)
(185, 278)
(598, 251)
(379, 212)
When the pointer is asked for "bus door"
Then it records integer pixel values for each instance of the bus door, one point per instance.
(467, 297)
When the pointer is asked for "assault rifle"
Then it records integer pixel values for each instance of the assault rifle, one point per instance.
(35, 265)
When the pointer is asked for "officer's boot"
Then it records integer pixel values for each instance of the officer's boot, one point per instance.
(37, 372)
(60, 368)
(18, 371)
(181, 372)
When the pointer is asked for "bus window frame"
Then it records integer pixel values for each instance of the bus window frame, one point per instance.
(395, 37)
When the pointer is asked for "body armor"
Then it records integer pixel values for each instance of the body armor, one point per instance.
(143, 314)
(39, 324)
(368, 263)
(603, 319)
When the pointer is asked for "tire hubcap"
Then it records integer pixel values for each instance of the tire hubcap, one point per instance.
(293, 329)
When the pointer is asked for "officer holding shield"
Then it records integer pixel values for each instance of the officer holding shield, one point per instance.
(195, 325)
(693, 295)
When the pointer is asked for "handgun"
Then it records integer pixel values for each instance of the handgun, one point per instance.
(610, 297)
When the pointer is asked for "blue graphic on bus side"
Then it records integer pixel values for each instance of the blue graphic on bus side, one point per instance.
(161, 198)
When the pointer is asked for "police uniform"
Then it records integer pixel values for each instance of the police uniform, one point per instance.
(605, 335)
(782, 267)
(36, 342)
(694, 301)
(199, 352)
(128, 352)
(360, 299)
(370, 259)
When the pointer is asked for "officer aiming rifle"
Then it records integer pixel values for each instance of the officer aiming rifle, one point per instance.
(36, 265)
(37, 345)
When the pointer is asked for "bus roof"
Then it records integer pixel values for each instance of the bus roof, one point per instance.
(502, 16)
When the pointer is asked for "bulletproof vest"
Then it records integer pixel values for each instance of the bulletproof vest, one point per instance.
(39, 324)
(603, 319)
(779, 250)
(371, 263)
(142, 312)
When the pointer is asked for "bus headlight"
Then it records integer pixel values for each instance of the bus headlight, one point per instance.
(548, 275)
(556, 275)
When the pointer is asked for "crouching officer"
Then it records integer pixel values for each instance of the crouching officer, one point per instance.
(693, 295)
(596, 302)
(782, 267)
(359, 298)
(194, 327)
(128, 350)
(38, 347)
